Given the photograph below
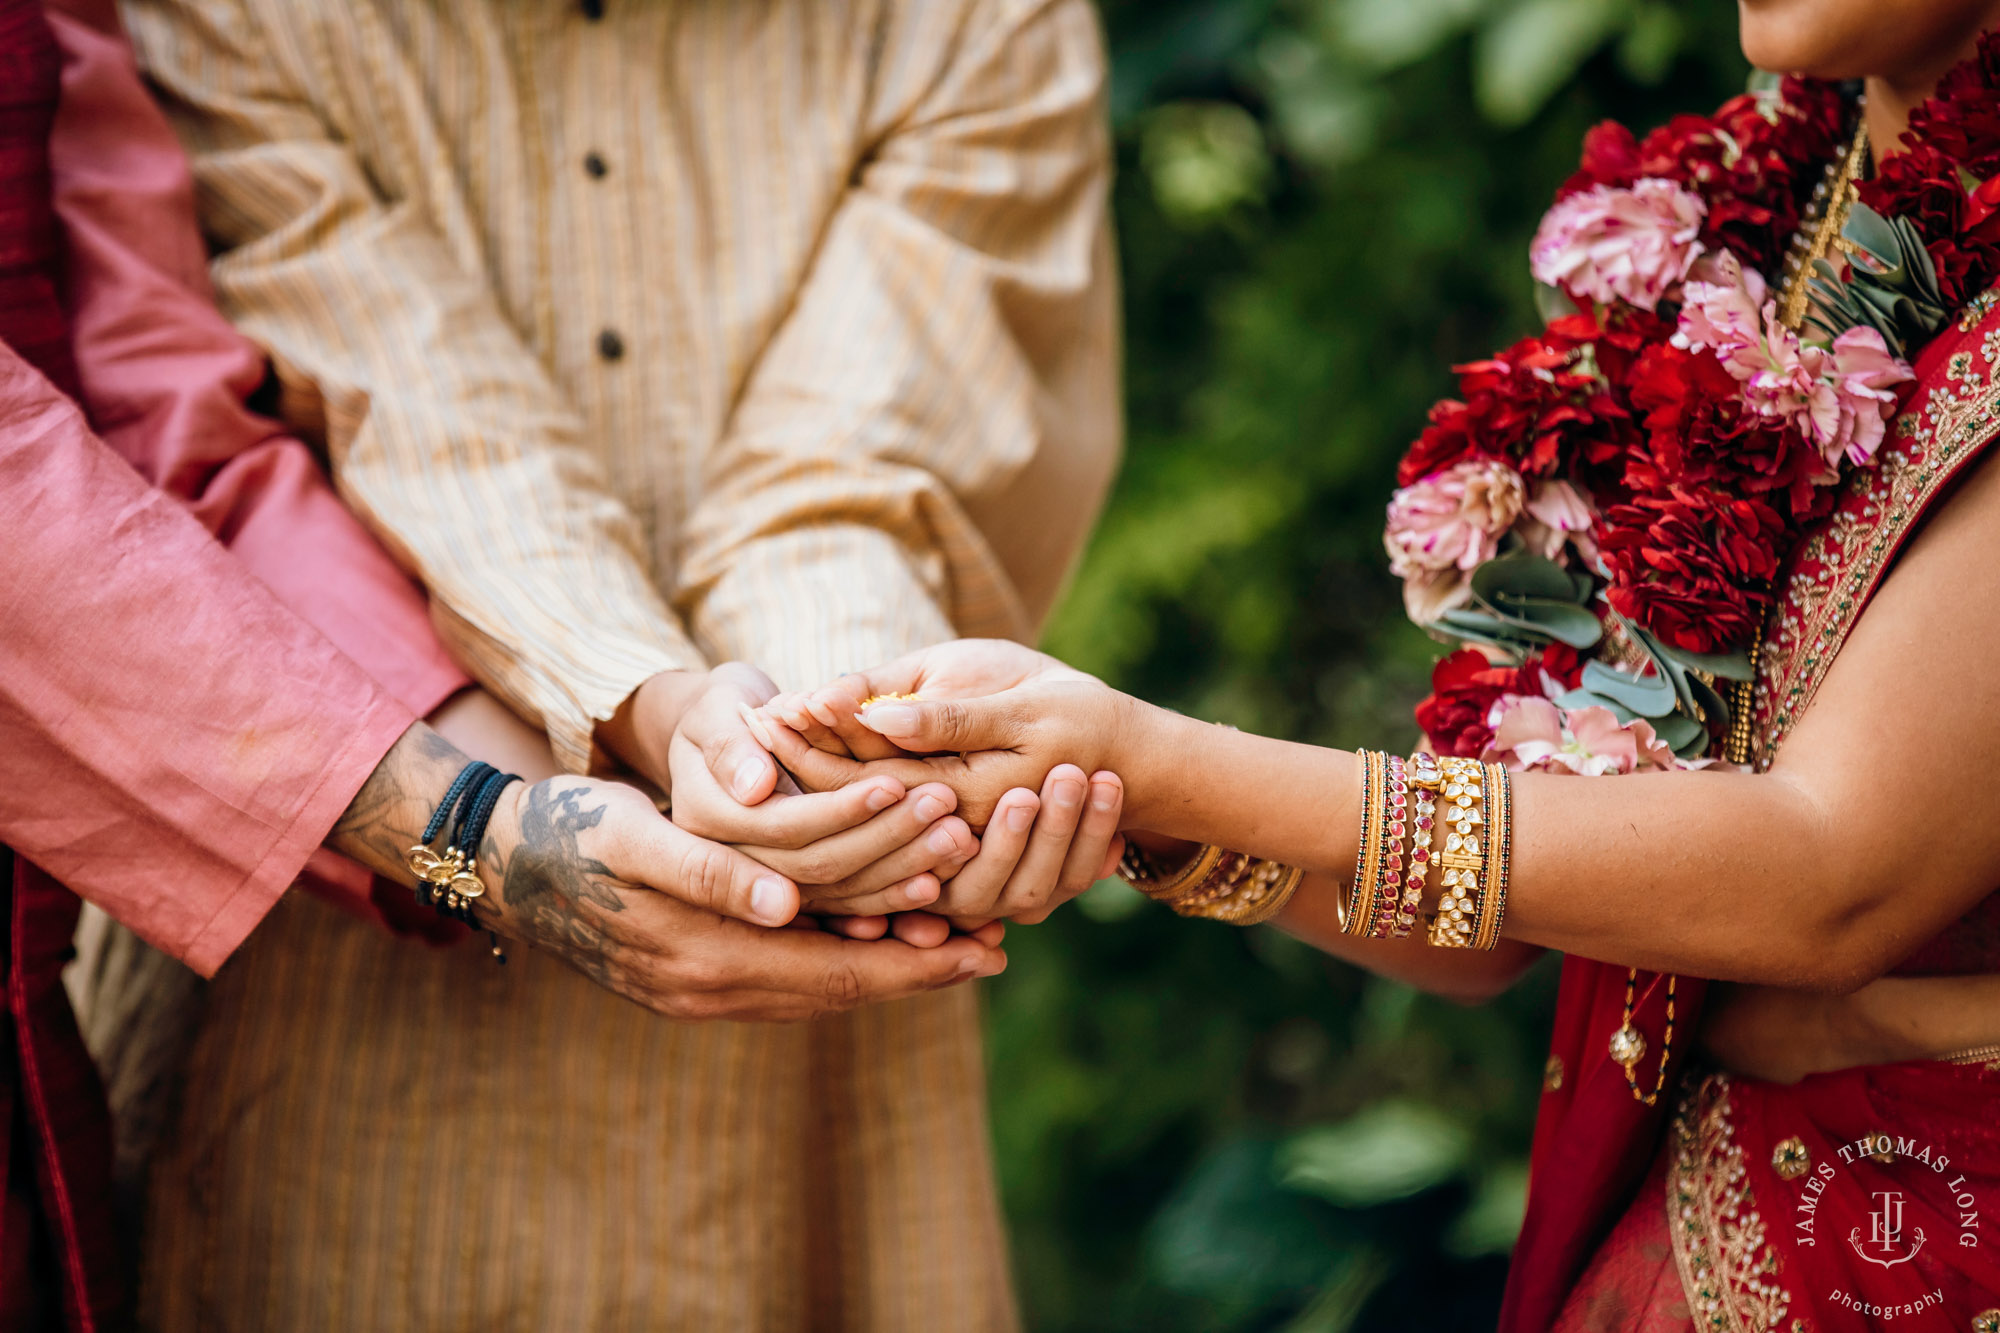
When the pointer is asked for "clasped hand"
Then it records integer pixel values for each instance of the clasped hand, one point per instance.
(995, 723)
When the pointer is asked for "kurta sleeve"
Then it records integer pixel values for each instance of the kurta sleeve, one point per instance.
(925, 441)
(446, 433)
(177, 741)
(166, 380)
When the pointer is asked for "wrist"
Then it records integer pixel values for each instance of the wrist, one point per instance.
(637, 735)
(1143, 742)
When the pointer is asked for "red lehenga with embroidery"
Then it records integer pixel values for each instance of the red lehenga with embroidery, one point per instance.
(1743, 1206)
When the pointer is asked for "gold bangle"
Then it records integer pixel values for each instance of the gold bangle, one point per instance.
(1360, 899)
(1137, 869)
(1461, 813)
(1241, 890)
(1499, 855)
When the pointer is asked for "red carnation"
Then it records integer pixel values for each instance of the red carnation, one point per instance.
(1692, 565)
(1700, 435)
(1961, 119)
(1610, 157)
(1527, 407)
(1465, 686)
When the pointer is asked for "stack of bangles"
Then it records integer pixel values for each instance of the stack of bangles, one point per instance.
(1407, 807)
(448, 884)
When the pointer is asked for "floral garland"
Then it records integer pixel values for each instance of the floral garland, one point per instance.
(1603, 509)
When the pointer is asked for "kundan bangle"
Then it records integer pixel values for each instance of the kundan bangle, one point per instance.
(1461, 813)
(1499, 855)
(1385, 889)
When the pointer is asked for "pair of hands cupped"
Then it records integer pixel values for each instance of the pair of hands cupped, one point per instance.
(816, 860)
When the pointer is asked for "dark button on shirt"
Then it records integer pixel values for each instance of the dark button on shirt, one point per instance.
(609, 345)
(594, 165)
(592, 9)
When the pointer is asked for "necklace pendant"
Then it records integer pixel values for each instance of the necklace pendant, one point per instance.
(1628, 1046)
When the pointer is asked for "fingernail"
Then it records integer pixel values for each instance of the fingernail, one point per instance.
(919, 893)
(970, 966)
(993, 965)
(821, 712)
(881, 798)
(1020, 817)
(756, 724)
(1069, 792)
(889, 719)
(747, 774)
(941, 841)
(1103, 796)
(770, 901)
(932, 807)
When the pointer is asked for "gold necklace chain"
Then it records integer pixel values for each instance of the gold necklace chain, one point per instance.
(1821, 236)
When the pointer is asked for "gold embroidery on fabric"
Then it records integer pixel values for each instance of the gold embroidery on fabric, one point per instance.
(1838, 565)
(1728, 1269)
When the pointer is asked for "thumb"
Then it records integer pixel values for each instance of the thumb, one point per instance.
(737, 760)
(927, 725)
(711, 876)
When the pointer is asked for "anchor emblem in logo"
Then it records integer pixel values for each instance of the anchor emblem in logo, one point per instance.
(1884, 1245)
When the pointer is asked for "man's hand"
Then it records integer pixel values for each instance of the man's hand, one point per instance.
(590, 871)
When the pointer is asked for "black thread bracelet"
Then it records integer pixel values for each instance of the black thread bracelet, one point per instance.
(448, 884)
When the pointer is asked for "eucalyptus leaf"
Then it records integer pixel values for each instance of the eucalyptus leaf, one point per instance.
(1873, 233)
(1523, 574)
(1651, 697)
(1729, 666)
(1711, 702)
(1552, 303)
(1586, 699)
(1483, 627)
(1687, 736)
(1564, 621)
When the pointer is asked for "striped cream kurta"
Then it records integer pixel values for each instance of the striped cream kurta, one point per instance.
(649, 333)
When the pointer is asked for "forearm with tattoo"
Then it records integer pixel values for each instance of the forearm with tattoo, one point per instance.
(387, 816)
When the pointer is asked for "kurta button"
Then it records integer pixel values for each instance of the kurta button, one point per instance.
(609, 345)
(594, 165)
(592, 9)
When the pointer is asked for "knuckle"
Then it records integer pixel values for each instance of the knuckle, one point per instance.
(705, 874)
(841, 988)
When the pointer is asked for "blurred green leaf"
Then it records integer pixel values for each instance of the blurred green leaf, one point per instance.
(1391, 1150)
(1528, 52)
(1492, 1220)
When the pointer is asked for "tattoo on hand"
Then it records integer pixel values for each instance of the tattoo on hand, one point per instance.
(547, 878)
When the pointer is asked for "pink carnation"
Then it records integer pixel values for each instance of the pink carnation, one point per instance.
(1556, 517)
(1612, 243)
(1534, 734)
(1445, 526)
(1839, 397)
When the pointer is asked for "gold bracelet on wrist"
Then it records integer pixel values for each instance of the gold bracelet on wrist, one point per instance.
(1461, 814)
(1499, 855)
(1359, 918)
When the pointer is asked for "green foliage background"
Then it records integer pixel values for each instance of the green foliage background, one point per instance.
(1322, 204)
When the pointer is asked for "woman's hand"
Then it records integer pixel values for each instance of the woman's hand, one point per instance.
(873, 846)
(991, 717)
